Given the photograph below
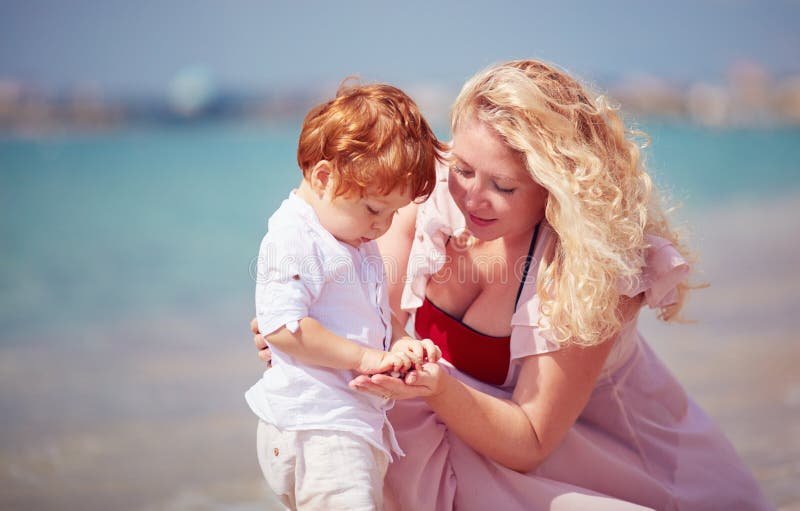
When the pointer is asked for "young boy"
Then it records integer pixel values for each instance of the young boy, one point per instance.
(322, 305)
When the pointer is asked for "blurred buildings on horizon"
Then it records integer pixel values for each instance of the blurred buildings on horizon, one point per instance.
(751, 97)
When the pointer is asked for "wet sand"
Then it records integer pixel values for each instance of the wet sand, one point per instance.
(149, 414)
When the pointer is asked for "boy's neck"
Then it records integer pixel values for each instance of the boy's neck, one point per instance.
(306, 193)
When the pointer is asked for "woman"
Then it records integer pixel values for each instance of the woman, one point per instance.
(528, 266)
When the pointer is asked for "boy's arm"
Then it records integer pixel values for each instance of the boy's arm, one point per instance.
(314, 344)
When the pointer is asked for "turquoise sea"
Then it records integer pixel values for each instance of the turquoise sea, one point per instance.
(95, 227)
(98, 226)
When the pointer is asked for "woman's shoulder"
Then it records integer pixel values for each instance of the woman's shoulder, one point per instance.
(529, 331)
(439, 211)
(664, 269)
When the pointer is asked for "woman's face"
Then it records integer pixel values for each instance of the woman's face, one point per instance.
(491, 185)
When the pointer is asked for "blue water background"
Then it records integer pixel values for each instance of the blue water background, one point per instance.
(146, 222)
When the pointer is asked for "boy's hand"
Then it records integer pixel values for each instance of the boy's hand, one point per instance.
(378, 361)
(419, 351)
(264, 352)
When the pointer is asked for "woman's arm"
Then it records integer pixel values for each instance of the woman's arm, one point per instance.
(551, 392)
(519, 433)
(395, 247)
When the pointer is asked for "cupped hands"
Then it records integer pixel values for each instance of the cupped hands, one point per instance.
(428, 380)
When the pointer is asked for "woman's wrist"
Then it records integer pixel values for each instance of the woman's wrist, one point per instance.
(441, 390)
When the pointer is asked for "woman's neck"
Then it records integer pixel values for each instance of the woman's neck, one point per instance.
(520, 241)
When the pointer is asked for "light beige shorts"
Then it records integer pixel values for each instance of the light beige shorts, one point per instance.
(331, 470)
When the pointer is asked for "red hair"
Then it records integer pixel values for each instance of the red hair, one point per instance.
(373, 136)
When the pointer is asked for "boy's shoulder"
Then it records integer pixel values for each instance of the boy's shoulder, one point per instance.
(292, 214)
(294, 227)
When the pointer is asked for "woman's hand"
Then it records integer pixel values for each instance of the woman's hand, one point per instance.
(261, 344)
(429, 380)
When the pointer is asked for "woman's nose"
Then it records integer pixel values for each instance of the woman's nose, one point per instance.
(474, 195)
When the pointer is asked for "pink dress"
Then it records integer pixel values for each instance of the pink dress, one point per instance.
(639, 443)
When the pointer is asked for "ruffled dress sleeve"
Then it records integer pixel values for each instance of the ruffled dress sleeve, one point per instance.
(528, 336)
(438, 218)
(664, 269)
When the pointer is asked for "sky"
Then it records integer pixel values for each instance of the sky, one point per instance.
(139, 46)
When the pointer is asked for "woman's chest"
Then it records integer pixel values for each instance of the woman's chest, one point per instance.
(478, 286)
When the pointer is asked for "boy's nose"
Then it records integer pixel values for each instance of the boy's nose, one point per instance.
(383, 225)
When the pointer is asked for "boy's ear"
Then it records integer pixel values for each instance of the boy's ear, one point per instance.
(321, 177)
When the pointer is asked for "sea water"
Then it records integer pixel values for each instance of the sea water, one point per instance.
(101, 226)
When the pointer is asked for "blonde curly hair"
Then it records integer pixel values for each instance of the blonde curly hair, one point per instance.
(601, 201)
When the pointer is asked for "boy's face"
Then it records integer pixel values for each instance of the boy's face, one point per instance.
(354, 220)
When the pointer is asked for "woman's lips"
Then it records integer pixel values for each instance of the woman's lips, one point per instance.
(481, 222)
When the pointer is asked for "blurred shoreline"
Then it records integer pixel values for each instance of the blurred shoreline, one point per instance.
(147, 413)
(749, 97)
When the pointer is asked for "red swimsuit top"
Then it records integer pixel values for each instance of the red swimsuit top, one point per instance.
(481, 356)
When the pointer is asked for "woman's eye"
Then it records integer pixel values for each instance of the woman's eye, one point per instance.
(503, 190)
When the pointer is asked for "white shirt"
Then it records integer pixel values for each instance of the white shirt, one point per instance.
(303, 271)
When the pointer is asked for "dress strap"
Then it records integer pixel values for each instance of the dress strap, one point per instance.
(528, 260)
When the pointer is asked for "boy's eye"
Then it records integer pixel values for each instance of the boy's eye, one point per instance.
(372, 210)
(458, 170)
